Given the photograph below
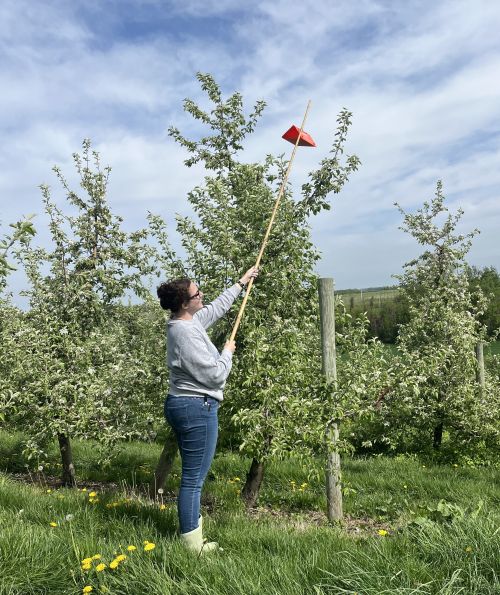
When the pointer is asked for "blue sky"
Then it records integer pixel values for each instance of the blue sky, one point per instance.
(422, 79)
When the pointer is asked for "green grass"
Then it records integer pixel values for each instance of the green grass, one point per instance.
(285, 547)
(493, 348)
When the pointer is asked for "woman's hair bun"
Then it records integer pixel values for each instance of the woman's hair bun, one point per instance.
(173, 294)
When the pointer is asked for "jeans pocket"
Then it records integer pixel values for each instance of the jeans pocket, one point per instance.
(176, 414)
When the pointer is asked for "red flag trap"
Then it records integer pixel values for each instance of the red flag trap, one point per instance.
(305, 140)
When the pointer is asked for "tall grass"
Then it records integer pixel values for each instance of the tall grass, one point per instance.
(284, 547)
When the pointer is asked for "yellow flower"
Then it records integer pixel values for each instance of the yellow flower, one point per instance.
(114, 564)
(120, 558)
(405, 486)
(87, 589)
(86, 566)
(53, 524)
(92, 494)
(96, 557)
(162, 507)
(303, 485)
(100, 567)
(382, 532)
(84, 489)
(468, 549)
(237, 479)
(149, 546)
(87, 561)
(49, 491)
(145, 542)
(131, 548)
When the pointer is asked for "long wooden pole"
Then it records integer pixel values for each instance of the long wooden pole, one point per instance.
(266, 237)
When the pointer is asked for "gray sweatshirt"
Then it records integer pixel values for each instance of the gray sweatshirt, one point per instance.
(196, 367)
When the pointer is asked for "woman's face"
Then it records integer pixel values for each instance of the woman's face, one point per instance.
(195, 301)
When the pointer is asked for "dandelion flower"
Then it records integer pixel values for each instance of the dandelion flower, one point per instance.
(53, 524)
(162, 507)
(87, 589)
(131, 548)
(382, 532)
(84, 489)
(92, 494)
(468, 549)
(87, 561)
(100, 567)
(114, 564)
(149, 546)
(120, 558)
(237, 479)
(49, 491)
(145, 542)
(96, 557)
(303, 485)
(86, 566)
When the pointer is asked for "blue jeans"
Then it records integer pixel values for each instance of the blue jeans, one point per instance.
(195, 424)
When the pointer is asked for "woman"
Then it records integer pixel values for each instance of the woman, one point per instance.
(198, 373)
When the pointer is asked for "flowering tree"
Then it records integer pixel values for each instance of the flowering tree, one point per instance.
(76, 366)
(279, 336)
(9, 315)
(23, 230)
(437, 391)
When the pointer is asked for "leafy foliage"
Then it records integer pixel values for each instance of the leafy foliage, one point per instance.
(78, 363)
(437, 395)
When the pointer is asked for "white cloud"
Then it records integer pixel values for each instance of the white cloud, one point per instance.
(421, 79)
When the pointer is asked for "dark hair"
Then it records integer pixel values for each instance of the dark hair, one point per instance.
(173, 294)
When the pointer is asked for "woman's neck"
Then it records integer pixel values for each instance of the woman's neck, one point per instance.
(183, 316)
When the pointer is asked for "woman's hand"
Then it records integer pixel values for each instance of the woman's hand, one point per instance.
(230, 346)
(250, 274)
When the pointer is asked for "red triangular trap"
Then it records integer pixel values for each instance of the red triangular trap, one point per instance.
(292, 134)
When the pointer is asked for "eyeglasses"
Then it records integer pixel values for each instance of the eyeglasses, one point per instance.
(197, 294)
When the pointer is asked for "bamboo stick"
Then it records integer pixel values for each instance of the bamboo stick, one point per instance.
(266, 237)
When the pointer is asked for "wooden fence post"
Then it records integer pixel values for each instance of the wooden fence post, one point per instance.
(327, 321)
(480, 366)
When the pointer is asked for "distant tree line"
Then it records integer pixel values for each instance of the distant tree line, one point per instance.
(387, 314)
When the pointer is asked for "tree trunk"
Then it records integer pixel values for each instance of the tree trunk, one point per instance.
(68, 469)
(164, 465)
(438, 435)
(250, 491)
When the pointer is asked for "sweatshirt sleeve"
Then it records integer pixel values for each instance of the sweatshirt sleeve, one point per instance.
(209, 314)
(201, 365)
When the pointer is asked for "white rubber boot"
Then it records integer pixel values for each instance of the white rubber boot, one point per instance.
(193, 540)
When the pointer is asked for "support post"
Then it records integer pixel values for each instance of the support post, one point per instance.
(480, 367)
(328, 348)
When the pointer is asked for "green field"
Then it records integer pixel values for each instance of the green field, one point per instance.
(357, 298)
(409, 529)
